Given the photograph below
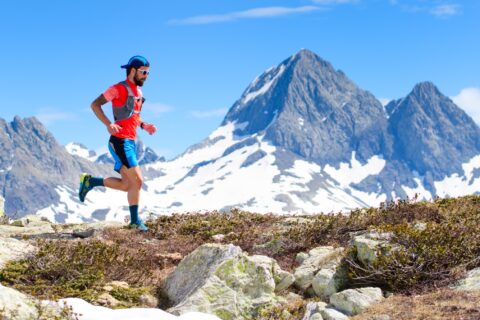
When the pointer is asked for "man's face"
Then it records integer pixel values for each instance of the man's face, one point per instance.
(141, 75)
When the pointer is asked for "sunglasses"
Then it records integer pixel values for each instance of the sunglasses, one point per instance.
(144, 72)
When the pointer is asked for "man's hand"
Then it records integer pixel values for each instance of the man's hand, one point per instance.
(113, 128)
(150, 128)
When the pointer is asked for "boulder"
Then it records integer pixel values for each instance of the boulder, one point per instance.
(370, 245)
(16, 305)
(222, 280)
(332, 314)
(355, 301)
(312, 310)
(13, 249)
(471, 282)
(329, 281)
(282, 279)
(326, 257)
(27, 227)
(192, 272)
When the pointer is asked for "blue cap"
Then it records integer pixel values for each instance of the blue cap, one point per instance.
(136, 62)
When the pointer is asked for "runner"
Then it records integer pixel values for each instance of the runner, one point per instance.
(127, 101)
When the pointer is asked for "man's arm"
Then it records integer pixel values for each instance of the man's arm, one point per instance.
(149, 127)
(97, 109)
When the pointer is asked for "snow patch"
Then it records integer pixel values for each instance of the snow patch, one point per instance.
(354, 172)
(252, 95)
(455, 185)
(87, 311)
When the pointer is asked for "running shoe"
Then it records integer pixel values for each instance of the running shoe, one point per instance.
(85, 186)
(139, 225)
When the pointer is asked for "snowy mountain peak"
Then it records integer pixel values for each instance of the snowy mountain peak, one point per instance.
(80, 150)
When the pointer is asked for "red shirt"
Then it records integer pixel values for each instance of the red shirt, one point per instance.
(118, 95)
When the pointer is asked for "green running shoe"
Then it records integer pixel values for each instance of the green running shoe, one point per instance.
(85, 186)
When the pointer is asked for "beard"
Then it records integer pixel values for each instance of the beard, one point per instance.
(138, 82)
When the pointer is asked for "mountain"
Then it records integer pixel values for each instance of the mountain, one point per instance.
(306, 106)
(33, 166)
(431, 133)
(305, 138)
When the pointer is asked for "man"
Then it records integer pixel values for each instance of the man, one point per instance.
(127, 101)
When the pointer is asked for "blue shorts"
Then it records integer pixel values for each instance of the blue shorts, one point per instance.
(123, 152)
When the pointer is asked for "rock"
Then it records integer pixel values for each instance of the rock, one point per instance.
(112, 284)
(193, 271)
(354, 301)
(471, 282)
(293, 297)
(318, 258)
(13, 249)
(329, 281)
(370, 245)
(218, 237)
(83, 234)
(312, 310)
(16, 305)
(332, 314)
(222, 280)
(283, 279)
(105, 299)
(30, 229)
(301, 257)
(148, 300)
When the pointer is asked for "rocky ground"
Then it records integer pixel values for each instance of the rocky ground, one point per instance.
(403, 260)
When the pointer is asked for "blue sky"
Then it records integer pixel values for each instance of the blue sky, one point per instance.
(59, 56)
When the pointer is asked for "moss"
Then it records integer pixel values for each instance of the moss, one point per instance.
(130, 295)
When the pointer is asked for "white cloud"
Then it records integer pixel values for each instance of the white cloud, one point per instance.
(210, 113)
(49, 116)
(445, 10)
(267, 12)
(469, 100)
(438, 8)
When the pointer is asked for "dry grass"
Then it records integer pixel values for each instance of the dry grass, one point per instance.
(439, 305)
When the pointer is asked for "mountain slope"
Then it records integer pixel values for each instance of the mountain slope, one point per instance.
(33, 165)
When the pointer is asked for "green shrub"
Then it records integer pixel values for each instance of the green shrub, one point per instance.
(427, 256)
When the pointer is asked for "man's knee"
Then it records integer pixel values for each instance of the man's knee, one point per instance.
(139, 182)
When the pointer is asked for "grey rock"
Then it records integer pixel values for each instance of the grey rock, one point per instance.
(221, 280)
(332, 314)
(471, 281)
(318, 258)
(202, 262)
(13, 249)
(355, 301)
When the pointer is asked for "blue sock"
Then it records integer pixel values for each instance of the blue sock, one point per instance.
(96, 181)
(133, 214)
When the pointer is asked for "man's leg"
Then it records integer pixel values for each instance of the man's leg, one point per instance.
(135, 181)
(118, 183)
